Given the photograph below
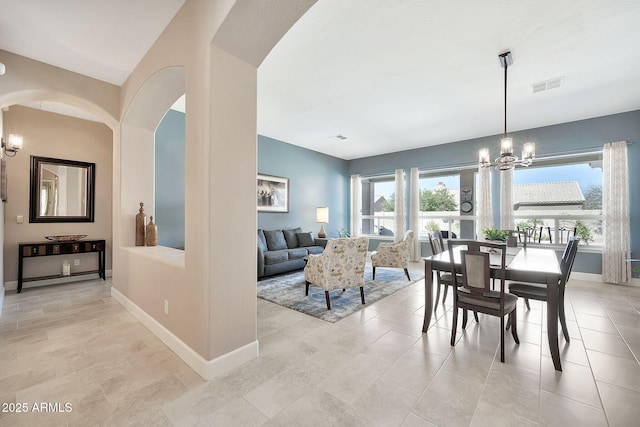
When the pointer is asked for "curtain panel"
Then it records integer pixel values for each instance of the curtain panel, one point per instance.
(615, 213)
(485, 212)
(414, 213)
(399, 221)
(506, 200)
(356, 206)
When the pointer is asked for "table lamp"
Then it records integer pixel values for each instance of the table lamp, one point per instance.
(322, 216)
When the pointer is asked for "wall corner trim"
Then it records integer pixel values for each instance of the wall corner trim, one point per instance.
(207, 369)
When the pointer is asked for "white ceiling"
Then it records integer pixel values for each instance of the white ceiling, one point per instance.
(388, 75)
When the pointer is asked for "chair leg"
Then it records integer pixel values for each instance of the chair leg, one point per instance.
(475, 316)
(446, 289)
(435, 305)
(454, 326)
(306, 288)
(563, 319)
(362, 294)
(502, 339)
(326, 295)
(513, 320)
(465, 315)
(526, 302)
(374, 273)
(407, 273)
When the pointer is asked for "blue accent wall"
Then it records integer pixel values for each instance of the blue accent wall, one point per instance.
(315, 180)
(170, 179)
(550, 140)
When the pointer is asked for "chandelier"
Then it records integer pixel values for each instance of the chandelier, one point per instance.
(507, 160)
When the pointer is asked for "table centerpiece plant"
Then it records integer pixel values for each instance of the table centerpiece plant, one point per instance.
(494, 233)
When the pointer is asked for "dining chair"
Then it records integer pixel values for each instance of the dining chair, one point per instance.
(474, 293)
(515, 237)
(538, 291)
(443, 278)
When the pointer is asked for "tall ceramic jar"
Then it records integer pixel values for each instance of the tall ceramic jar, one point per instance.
(141, 219)
(152, 233)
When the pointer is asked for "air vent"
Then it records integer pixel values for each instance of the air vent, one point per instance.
(547, 84)
(339, 136)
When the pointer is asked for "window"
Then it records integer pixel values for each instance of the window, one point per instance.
(555, 199)
(378, 205)
(439, 203)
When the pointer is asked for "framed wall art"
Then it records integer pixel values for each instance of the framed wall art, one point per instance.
(272, 194)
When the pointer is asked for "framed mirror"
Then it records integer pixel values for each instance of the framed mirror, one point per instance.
(61, 190)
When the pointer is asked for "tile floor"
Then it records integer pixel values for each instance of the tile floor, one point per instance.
(74, 344)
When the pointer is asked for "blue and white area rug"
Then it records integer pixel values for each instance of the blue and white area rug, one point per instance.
(287, 290)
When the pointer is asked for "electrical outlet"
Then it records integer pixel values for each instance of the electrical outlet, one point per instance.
(166, 307)
(76, 262)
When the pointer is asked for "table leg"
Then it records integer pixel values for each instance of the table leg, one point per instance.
(428, 295)
(552, 320)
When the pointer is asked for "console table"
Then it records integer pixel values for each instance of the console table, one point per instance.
(52, 248)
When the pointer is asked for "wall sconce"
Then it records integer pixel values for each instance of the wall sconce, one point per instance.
(12, 144)
(322, 217)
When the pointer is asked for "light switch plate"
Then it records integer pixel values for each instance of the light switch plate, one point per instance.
(19, 219)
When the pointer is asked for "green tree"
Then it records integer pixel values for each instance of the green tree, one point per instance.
(593, 197)
(584, 232)
(389, 205)
(438, 199)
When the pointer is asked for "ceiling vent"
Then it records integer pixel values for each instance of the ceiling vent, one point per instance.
(547, 84)
(339, 136)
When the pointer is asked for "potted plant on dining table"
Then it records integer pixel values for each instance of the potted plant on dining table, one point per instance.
(493, 233)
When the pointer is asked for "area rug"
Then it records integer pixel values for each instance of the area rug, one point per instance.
(287, 290)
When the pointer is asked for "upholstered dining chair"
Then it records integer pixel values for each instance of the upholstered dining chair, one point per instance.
(538, 291)
(393, 255)
(474, 293)
(515, 237)
(442, 278)
(339, 266)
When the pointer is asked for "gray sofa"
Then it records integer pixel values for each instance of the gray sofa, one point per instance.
(280, 251)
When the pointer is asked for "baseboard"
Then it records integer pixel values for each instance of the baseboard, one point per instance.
(589, 277)
(13, 285)
(207, 369)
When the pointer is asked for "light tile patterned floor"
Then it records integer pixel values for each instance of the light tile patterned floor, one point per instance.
(73, 343)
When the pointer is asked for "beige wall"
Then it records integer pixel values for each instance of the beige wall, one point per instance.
(53, 135)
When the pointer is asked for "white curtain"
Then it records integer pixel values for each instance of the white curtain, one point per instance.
(485, 213)
(506, 200)
(615, 213)
(399, 207)
(414, 213)
(356, 206)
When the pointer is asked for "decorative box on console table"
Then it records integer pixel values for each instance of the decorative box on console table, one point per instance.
(60, 247)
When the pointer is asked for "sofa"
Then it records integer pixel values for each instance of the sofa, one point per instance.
(280, 251)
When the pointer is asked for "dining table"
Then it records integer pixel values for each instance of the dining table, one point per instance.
(529, 264)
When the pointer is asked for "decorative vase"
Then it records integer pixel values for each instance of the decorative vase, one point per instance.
(140, 222)
(152, 233)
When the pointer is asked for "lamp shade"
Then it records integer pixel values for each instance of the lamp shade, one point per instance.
(14, 142)
(322, 215)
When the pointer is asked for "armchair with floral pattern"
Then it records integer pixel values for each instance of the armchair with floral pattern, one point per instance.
(394, 255)
(340, 266)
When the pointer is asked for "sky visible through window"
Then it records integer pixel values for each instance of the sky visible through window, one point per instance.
(583, 173)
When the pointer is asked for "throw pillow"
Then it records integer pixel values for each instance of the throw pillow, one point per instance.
(275, 240)
(262, 242)
(290, 237)
(305, 239)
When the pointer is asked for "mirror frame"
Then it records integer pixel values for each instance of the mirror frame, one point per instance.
(34, 193)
